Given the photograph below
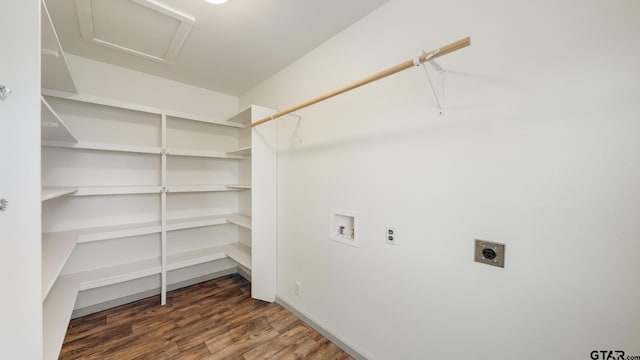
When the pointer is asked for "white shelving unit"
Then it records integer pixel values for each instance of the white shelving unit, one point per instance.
(132, 192)
(220, 159)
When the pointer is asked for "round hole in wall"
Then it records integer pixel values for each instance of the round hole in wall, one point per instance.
(489, 254)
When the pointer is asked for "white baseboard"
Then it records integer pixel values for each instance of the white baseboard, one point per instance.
(334, 339)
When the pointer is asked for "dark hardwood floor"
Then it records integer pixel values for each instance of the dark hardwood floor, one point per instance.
(216, 319)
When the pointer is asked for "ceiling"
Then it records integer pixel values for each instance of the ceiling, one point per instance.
(228, 48)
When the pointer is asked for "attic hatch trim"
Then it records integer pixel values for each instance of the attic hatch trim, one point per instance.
(85, 19)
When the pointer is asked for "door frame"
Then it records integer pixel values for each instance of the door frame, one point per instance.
(20, 184)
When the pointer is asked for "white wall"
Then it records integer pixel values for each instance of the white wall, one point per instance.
(106, 80)
(538, 149)
(20, 254)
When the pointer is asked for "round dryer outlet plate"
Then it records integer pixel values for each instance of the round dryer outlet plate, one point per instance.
(489, 253)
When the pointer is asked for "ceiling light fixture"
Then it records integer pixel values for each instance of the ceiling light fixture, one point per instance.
(216, 1)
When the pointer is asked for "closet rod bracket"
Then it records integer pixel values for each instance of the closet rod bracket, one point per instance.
(438, 93)
(4, 92)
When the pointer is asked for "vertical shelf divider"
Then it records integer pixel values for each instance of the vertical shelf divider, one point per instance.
(264, 187)
(163, 209)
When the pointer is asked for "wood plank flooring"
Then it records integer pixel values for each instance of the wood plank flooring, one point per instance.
(216, 319)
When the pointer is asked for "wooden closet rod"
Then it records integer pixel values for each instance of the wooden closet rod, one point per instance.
(382, 74)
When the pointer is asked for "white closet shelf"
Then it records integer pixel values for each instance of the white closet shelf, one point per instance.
(203, 154)
(59, 304)
(201, 188)
(54, 66)
(49, 193)
(86, 145)
(107, 232)
(136, 270)
(117, 274)
(239, 186)
(241, 151)
(154, 150)
(200, 118)
(240, 220)
(57, 246)
(56, 249)
(212, 220)
(238, 253)
(96, 100)
(195, 257)
(243, 118)
(117, 190)
(52, 126)
(56, 314)
(196, 222)
(89, 99)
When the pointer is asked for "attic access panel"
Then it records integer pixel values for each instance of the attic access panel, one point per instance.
(143, 28)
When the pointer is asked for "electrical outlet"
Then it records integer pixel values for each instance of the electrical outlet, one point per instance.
(489, 253)
(296, 288)
(390, 235)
